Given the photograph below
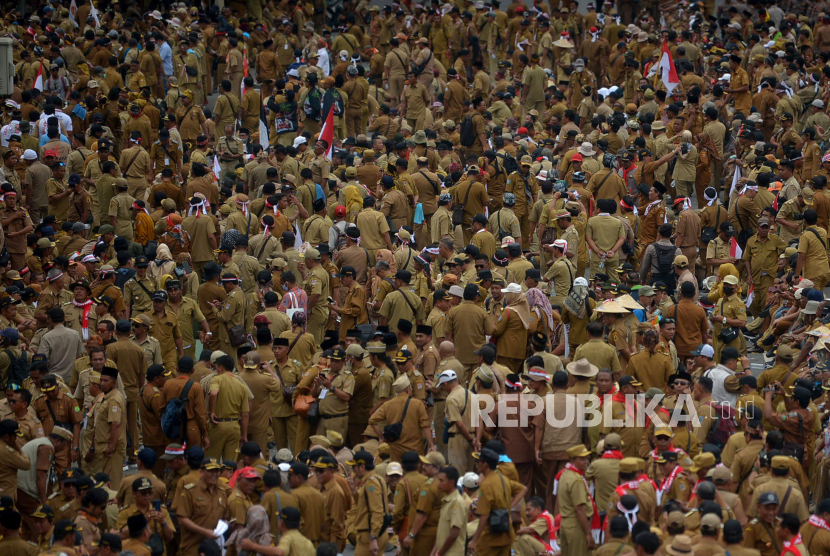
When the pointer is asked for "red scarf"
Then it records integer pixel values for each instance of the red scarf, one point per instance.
(659, 410)
(619, 397)
(816, 521)
(789, 546)
(548, 519)
(611, 393)
(612, 454)
(665, 485)
(595, 522)
(645, 478)
(87, 306)
(623, 489)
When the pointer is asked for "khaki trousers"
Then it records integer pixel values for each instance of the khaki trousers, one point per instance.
(362, 547)
(285, 431)
(572, 538)
(132, 428)
(224, 440)
(337, 424)
(438, 424)
(460, 453)
(685, 188)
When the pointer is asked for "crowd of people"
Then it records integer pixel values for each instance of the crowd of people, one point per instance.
(292, 278)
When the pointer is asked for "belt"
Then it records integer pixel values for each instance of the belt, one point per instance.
(688, 246)
(451, 434)
(334, 416)
(227, 420)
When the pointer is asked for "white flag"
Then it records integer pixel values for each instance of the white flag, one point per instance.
(298, 237)
(217, 170)
(73, 10)
(735, 179)
(94, 14)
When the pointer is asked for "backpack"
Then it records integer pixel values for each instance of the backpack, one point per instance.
(665, 258)
(723, 427)
(18, 367)
(174, 416)
(508, 163)
(466, 133)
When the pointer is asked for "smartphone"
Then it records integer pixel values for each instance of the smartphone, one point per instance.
(186, 266)
(157, 505)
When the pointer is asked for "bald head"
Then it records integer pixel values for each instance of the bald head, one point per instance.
(446, 349)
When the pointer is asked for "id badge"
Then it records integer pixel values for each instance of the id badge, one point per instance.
(167, 162)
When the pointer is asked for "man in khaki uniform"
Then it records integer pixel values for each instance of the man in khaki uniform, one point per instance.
(761, 260)
(110, 444)
(228, 410)
(372, 496)
(813, 252)
(318, 289)
(457, 412)
(130, 360)
(289, 371)
(120, 210)
(523, 185)
(137, 166)
(230, 312)
(166, 328)
(225, 111)
(139, 289)
(339, 386)
(201, 505)
(605, 235)
(730, 312)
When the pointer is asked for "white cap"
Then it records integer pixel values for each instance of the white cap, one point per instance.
(293, 73)
(725, 77)
(457, 291)
(284, 467)
(707, 351)
(447, 376)
(29, 154)
(299, 141)
(512, 288)
(394, 468)
(818, 103)
(469, 480)
(580, 281)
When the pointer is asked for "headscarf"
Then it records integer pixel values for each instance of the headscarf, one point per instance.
(577, 300)
(537, 299)
(704, 141)
(724, 270)
(353, 202)
(518, 303)
(163, 263)
(257, 528)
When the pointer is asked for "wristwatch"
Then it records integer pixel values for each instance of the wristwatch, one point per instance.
(372, 538)
(410, 536)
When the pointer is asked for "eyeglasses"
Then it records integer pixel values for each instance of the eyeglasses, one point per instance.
(479, 266)
(681, 383)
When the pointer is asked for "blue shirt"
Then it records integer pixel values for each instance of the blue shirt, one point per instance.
(166, 54)
(45, 139)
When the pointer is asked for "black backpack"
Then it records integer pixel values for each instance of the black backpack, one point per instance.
(18, 367)
(467, 135)
(665, 258)
(509, 163)
(174, 416)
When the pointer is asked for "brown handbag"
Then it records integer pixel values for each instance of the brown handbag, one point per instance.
(303, 404)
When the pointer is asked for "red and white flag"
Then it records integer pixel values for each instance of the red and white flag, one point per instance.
(245, 70)
(750, 296)
(38, 84)
(735, 250)
(327, 132)
(668, 73)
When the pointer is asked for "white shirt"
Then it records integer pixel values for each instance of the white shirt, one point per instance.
(66, 122)
(718, 375)
(8, 130)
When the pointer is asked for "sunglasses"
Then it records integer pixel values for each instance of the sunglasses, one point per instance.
(479, 266)
(681, 383)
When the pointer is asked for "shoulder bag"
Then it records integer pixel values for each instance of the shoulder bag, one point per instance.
(499, 520)
(727, 334)
(458, 210)
(236, 333)
(392, 432)
(709, 233)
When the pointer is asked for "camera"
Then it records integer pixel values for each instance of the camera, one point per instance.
(798, 217)
(769, 389)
